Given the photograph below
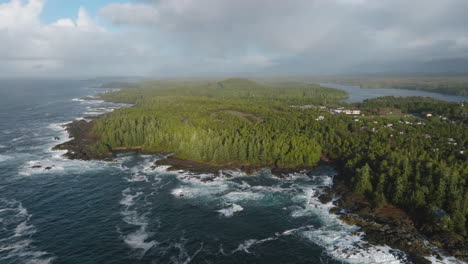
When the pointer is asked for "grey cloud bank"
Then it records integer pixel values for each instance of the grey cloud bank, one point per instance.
(194, 37)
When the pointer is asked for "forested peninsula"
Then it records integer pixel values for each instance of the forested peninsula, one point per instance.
(393, 153)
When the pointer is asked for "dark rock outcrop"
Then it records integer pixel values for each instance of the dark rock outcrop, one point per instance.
(80, 147)
(454, 244)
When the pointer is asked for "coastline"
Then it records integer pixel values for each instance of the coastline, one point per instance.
(392, 226)
(389, 225)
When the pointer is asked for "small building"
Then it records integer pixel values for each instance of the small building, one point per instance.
(352, 112)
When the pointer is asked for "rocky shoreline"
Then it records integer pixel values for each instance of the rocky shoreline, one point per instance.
(177, 164)
(382, 226)
(80, 147)
(391, 226)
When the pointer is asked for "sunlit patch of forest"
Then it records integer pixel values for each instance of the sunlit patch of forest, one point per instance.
(417, 164)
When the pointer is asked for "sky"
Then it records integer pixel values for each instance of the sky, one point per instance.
(230, 37)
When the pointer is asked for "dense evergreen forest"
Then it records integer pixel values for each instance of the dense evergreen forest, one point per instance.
(413, 156)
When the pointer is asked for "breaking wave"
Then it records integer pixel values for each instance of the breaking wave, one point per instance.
(231, 210)
(139, 239)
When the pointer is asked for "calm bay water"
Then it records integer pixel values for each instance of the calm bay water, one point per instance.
(358, 94)
(126, 212)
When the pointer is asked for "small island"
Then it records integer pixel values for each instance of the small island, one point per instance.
(402, 161)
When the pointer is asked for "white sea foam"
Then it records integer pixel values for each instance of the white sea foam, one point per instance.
(247, 244)
(102, 109)
(18, 139)
(24, 229)
(161, 169)
(92, 113)
(239, 196)
(231, 210)
(56, 164)
(244, 185)
(61, 133)
(142, 172)
(339, 239)
(194, 188)
(445, 260)
(178, 192)
(54, 160)
(270, 189)
(138, 239)
(138, 177)
(442, 257)
(343, 246)
(312, 205)
(48, 166)
(57, 126)
(230, 173)
(17, 245)
(129, 198)
(92, 100)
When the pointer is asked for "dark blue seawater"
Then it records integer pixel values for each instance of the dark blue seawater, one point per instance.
(81, 212)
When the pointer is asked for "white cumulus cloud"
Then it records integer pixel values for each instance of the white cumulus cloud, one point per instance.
(67, 47)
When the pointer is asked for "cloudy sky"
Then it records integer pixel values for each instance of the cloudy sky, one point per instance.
(204, 37)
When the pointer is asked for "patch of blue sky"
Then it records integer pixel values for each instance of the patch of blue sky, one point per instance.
(57, 9)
